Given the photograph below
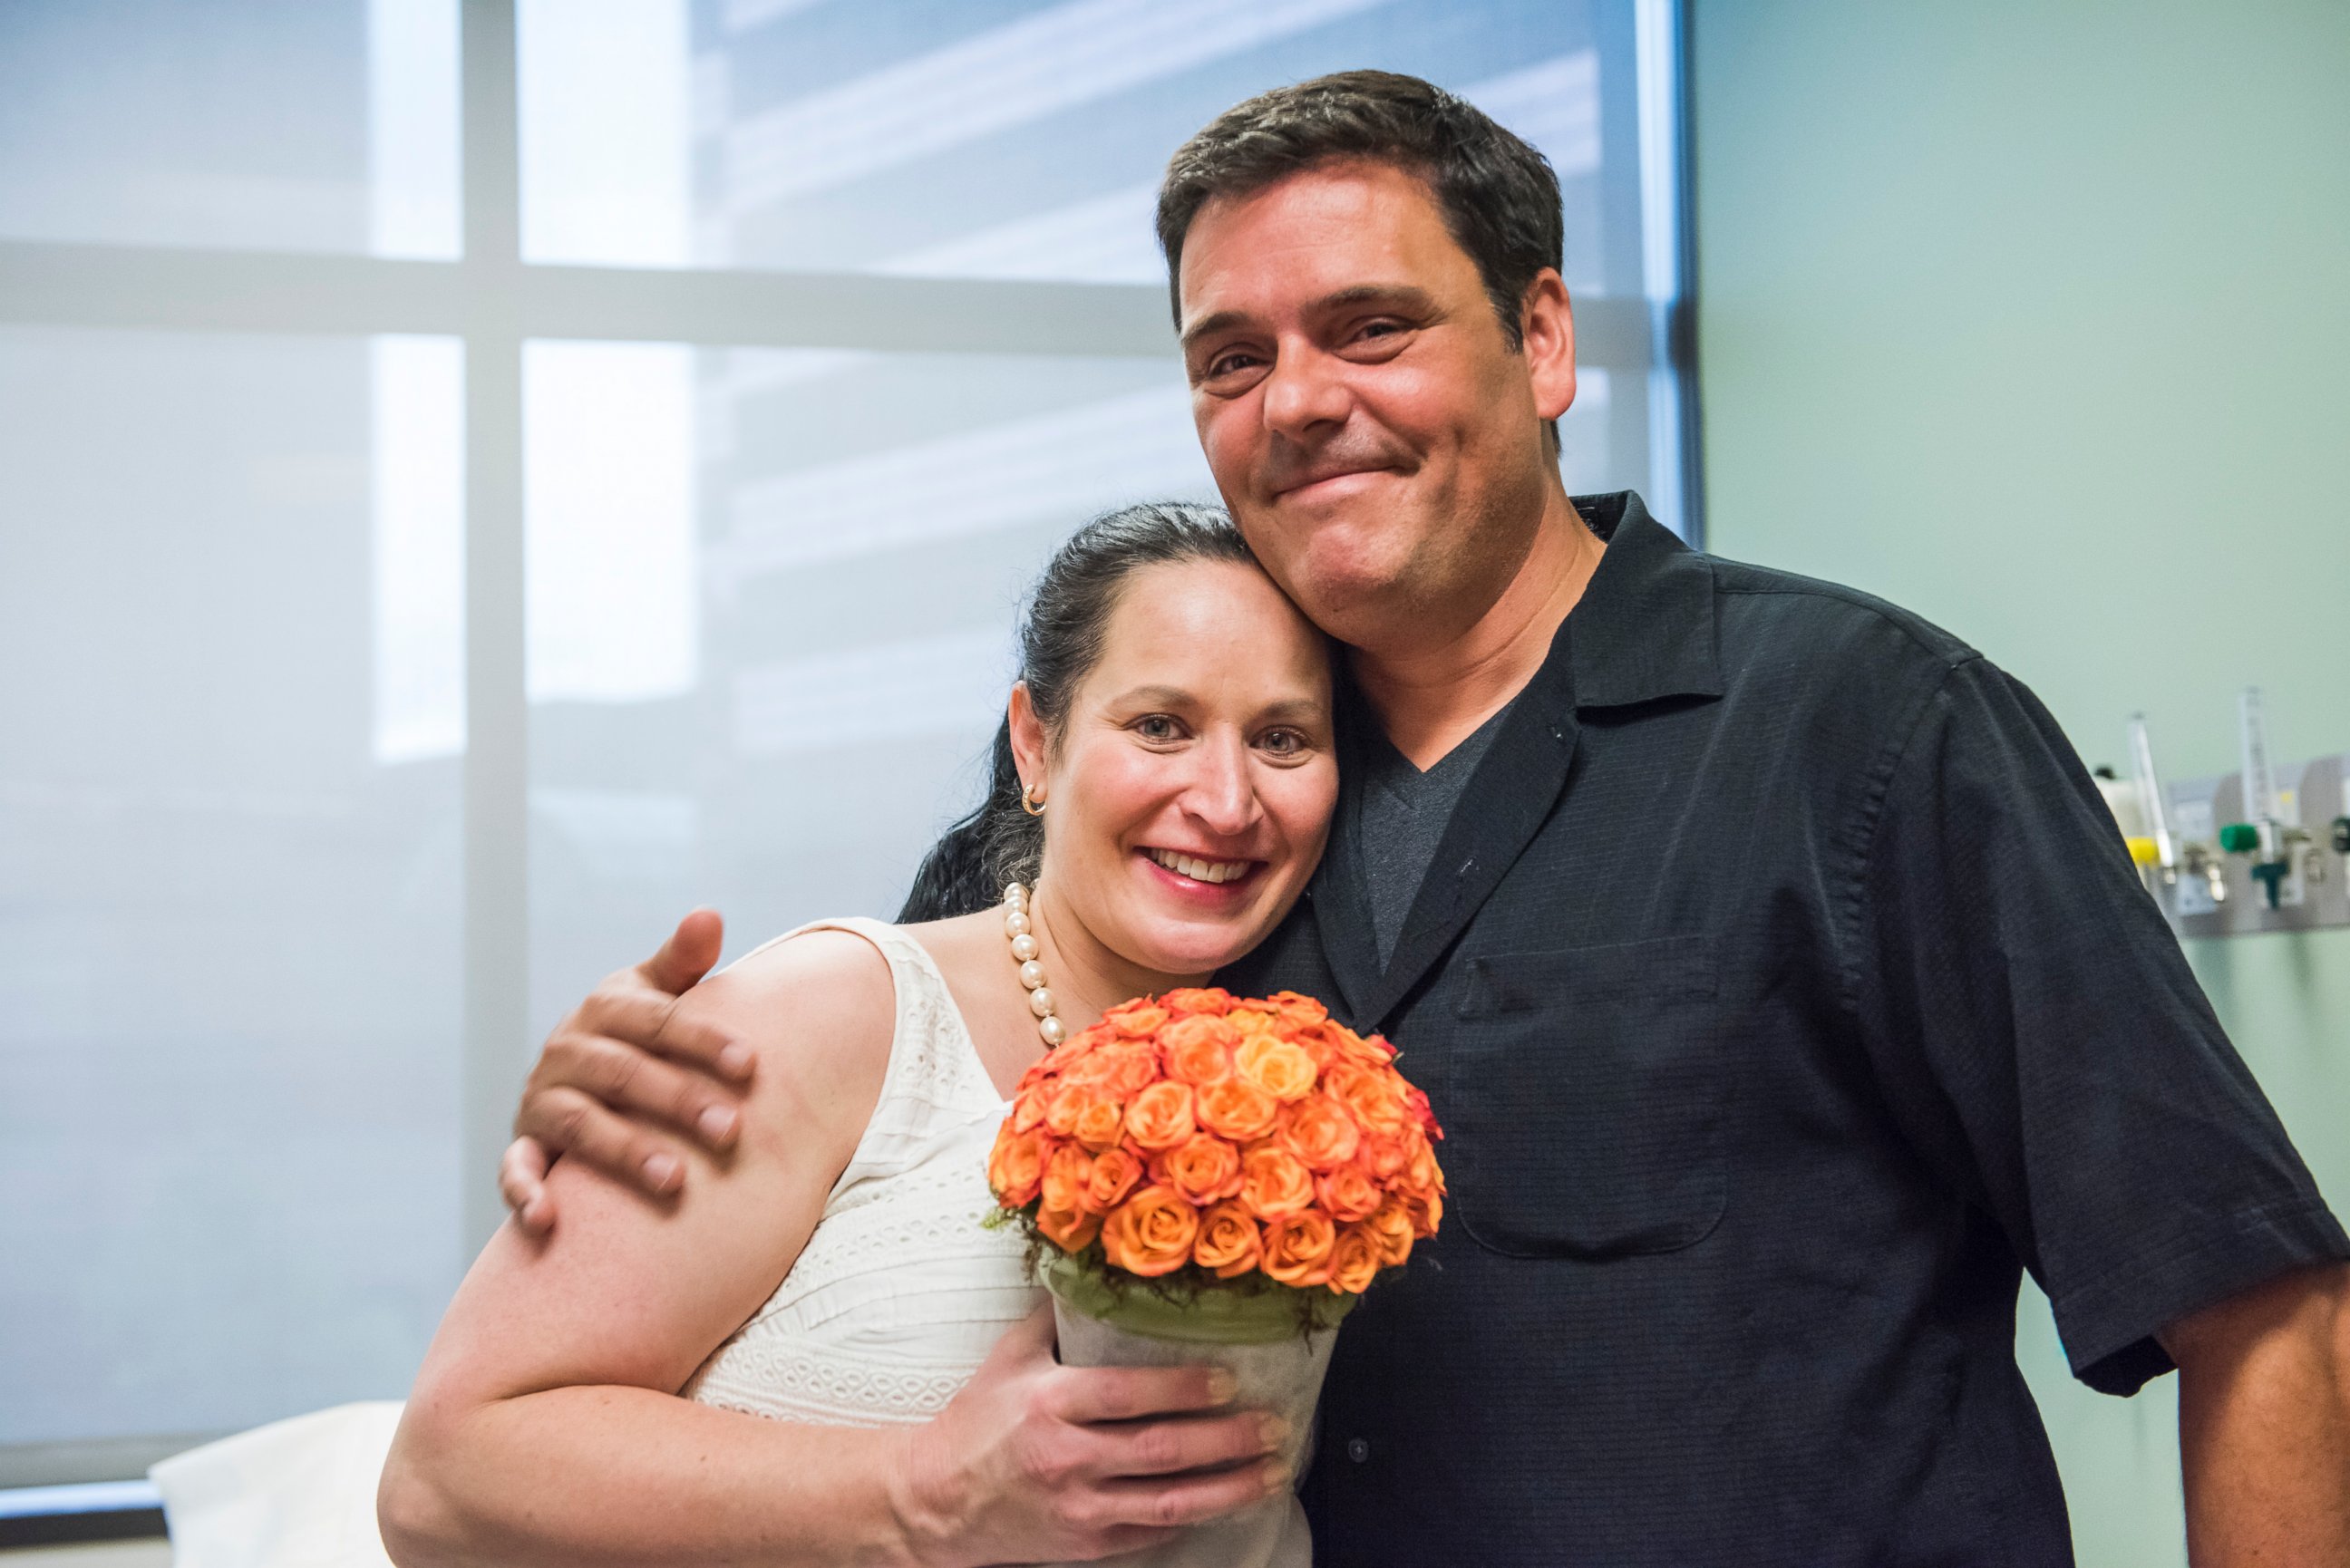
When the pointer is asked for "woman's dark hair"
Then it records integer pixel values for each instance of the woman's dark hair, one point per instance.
(1061, 634)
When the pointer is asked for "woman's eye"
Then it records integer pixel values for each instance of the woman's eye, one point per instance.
(1283, 743)
(1158, 727)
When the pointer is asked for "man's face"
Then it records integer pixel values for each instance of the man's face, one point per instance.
(1377, 440)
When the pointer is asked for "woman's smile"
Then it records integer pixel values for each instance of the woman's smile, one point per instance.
(1201, 875)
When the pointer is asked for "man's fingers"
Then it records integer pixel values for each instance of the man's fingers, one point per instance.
(688, 954)
(521, 1181)
(1088, 1394)
(652, 1022)
(627, 1079)
(578, 1127)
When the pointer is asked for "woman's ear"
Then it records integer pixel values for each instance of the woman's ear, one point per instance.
(1027, 739)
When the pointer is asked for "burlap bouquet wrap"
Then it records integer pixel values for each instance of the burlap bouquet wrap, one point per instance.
(1276, 1359)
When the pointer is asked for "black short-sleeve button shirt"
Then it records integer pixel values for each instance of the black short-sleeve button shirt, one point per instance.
(1785, 991)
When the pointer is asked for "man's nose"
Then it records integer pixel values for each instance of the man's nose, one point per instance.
(1304, 390)
(1221, 797)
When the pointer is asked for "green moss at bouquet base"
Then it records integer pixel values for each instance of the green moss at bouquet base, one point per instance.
(1252, 1312)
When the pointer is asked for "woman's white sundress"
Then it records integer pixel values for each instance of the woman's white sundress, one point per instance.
(900, 1292)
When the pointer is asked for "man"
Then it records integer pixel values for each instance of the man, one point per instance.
(1783, 987)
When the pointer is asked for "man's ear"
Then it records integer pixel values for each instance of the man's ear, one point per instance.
(1028, 738)
(1546, 327)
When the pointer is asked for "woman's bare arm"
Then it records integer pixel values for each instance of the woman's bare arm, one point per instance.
(545, 1428)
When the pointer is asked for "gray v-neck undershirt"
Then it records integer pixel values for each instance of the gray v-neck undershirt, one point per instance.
(1400, 817)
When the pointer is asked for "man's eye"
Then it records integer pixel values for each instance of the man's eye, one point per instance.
(1228, 364)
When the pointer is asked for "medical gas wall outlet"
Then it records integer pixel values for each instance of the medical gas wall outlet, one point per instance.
(2231, 855)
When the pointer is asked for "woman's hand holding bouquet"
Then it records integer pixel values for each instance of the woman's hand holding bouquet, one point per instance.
(1211, 1179)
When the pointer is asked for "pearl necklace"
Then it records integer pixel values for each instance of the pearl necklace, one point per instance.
(1024, 951)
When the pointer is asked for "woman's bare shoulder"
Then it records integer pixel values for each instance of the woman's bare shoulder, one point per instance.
(820, 1011)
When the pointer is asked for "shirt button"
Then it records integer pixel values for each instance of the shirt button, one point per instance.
(1358, 1451)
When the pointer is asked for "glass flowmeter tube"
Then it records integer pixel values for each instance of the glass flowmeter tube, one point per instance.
(2153, 802)
(2260, 780)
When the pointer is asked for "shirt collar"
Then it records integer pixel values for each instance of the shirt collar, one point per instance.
(1644, 627)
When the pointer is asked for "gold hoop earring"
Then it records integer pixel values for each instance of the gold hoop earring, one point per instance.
(1028, 801)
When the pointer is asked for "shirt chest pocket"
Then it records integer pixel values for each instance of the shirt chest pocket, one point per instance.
(1586, 1099)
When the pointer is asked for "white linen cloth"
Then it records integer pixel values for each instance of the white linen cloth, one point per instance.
(297, 1493)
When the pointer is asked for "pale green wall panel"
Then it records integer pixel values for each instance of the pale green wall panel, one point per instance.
(2036, 318)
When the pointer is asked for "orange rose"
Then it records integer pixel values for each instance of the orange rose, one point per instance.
(1150, 1233)
(1422, 1172)
(1016, 1166)
(1070, 1232)
(1196, 999)
(1099, 1120)
(1067, 1175)
(1427, 1211)
(1160, 1117)
(1370, 1093)
(1123, 1070)
(1298, 1008)
(1354, 1260)
(1392, 1225)
(1317, 1131)
(1135, 1020)
(1199, 1048)
(1416, 1103)
(1204, 1168)
(1273, 1182)
(1229, 1243)
(1237, 1109)
(1061, 1110)
(1348, 1193)
(1383, 1155)
(1029, 1108)
(1297, 1248)
(1115, 1172)
(1280, 1067)
(1374, 1051)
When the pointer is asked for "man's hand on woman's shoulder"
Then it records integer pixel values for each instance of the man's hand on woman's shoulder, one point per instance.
(624, 1078)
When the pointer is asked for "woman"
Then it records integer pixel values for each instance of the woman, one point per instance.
(817, 1353)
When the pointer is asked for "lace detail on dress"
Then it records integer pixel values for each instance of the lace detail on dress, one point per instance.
(900, 1292)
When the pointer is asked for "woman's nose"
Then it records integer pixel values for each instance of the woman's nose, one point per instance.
(1222, 796)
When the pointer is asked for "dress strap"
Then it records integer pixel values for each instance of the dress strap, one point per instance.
(934, 1067)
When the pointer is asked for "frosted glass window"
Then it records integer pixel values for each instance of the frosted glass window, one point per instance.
(849, 605)
(327, 125)
(230, 947)
(726, 624)
(1005, 138)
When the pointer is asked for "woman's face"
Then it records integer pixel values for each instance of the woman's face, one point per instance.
(1190, 792)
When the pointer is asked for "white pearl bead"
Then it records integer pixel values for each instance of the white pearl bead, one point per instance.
(1040, 1002)
(1015, 924)
(1050, 1028)
(1032, 974)
(1013, 893)
(1024, 948)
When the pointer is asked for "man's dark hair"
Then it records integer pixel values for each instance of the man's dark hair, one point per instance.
(1498, 196)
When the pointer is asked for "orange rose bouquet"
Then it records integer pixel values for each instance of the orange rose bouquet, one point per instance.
(1196, 1139)
(1207, 1178)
